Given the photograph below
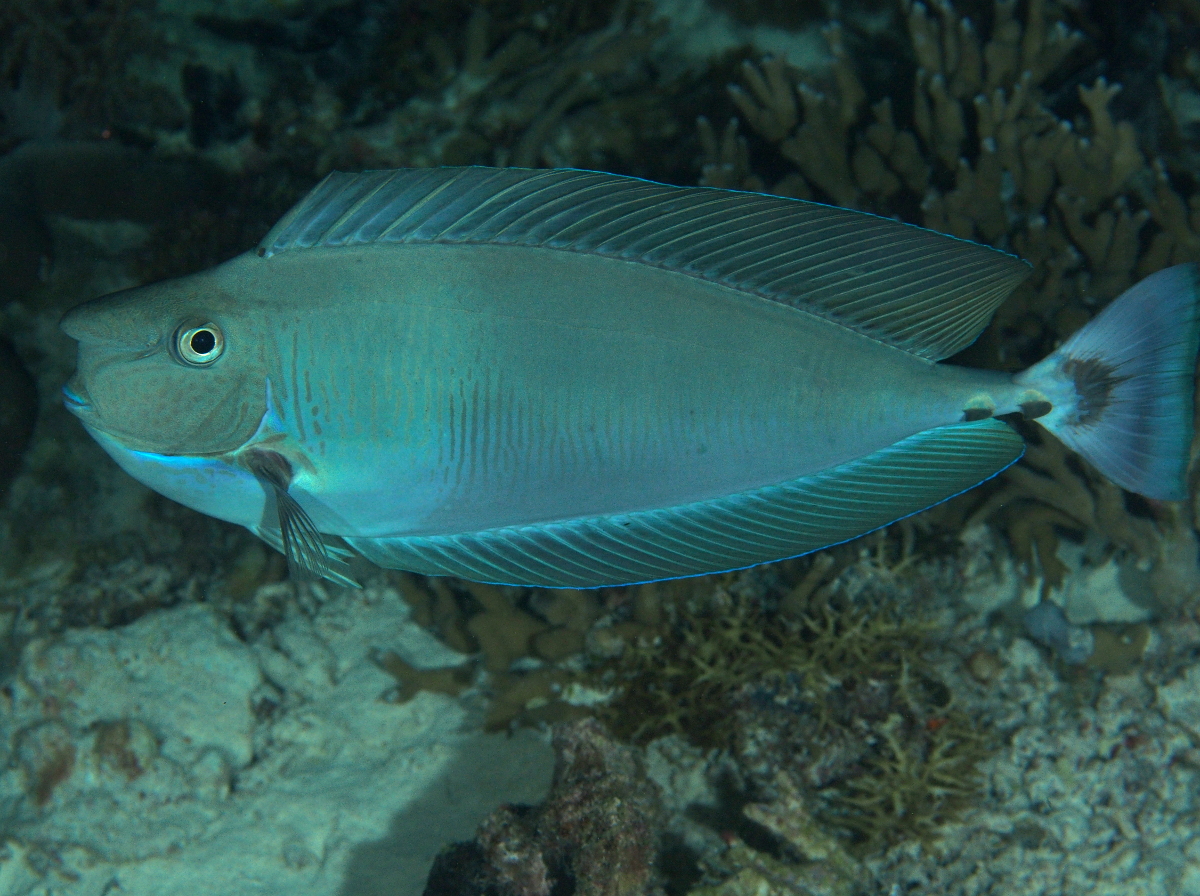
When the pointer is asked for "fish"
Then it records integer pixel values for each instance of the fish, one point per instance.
(573, 379)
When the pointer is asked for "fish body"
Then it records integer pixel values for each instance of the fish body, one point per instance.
(575, 379)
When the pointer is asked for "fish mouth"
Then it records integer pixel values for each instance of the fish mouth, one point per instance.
(73, 399)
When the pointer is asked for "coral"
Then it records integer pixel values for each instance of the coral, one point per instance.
(410, 680)
(436, 608)
(683, 675)
(571, 613)
(725, 161)
(1053, 491)
(596, 834)
(504, 632)
(526, 641)
(1178, 239)
(816, 692)
(535, 697)
(832, 692)
(65, 68)
(1027, 173)
(510, 83)
(918, 777)
(554, 100)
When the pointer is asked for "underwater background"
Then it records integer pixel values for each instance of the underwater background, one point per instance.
(999, 695)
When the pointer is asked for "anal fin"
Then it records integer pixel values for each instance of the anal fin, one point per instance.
(731, 532)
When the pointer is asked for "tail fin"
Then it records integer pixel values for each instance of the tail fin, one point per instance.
(1120, 389)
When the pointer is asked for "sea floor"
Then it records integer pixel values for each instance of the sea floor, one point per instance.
(179, 754)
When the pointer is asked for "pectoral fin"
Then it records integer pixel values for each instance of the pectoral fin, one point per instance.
(308, 555)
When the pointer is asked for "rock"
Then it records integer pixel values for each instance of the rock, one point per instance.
(596, 834)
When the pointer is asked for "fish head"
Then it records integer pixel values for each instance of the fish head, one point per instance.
(170, 369)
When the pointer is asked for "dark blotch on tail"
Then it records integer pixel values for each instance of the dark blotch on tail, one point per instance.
(1122, 386)
(1094, 384)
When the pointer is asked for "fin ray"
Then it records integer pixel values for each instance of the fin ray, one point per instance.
(309, 556)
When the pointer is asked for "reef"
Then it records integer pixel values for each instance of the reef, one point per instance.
(818, 681)
(830, 696)
(65, 71)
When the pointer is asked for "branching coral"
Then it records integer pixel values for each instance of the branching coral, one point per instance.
(64, 65)
(1015, 171)
(915, 779)
(525, 641)
(532, 96)
(832, 694)
(1178, 239)
(1052, 490)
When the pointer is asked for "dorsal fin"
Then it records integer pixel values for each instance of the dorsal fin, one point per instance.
(920, 291)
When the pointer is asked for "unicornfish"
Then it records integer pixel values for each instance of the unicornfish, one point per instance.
(573, 379)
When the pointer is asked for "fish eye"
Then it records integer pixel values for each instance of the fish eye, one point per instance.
(199, 345)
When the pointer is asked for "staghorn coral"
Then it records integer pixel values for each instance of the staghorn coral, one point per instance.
(682, 675)
(1178, 239)
(917, 777)
(979, 124)
(810, 690)
(833, 693)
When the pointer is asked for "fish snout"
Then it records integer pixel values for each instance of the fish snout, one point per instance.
(123, 320)
(81, 323)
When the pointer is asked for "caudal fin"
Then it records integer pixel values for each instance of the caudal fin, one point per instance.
(1121, 388)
